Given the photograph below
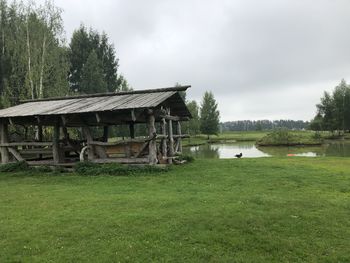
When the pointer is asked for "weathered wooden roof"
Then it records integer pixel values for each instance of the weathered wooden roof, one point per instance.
(110, 102)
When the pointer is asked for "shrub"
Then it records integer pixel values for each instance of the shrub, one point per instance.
(89, 168)
(186, 157)
(285, 137)
(15, 167)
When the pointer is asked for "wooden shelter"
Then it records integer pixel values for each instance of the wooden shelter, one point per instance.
(158, 108)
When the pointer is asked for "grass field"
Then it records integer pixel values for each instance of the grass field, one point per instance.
(239, 210)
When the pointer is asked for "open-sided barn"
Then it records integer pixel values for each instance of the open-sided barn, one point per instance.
(164, 106)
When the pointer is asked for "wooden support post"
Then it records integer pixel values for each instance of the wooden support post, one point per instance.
(164, 140)
(105, 133)
(132, 130)
(89, 139)
(171, 141)
(56, 151)
(4, 139)
(179, 143)
(40, 137)
(93, 149)
(152, 146)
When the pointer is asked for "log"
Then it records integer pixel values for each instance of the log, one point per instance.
(144, 146)
(56, 151)
(12, 144)
(105, 133)
(164, 141)
(152, 146)
(4, 140)
(89, 139)
(181, 136)
(125, 141)
(174, 118)
(94, 149)
(179, 143)
(132, 130)
(171, 140)
(36, 151)
(15, 154)
(121, 160)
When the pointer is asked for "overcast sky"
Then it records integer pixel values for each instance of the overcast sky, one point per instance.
(268, 59)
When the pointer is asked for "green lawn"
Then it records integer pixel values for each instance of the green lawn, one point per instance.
(239, 210)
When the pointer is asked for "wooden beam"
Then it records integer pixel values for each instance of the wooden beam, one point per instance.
(94, 149)
(38, 119)
(12, 144)
(133, 116)
(98, 117)
(15, 154)
(105, 133)
(171, 140)
(4, 139)
(122, 160)
(174, 118)
(56, 151)
(64, 120)
(181, 136)
(144, 146)
(179, 146)
(164, 140)
(89, 139)
(152, 146)
(11, 121)
(132, 130)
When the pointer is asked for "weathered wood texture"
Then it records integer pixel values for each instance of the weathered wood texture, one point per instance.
(152, 146)
(164, 140)
(15, 154)
(4, 140)
(171, 141)
(56, 151)
(179, 144)
(122, 160)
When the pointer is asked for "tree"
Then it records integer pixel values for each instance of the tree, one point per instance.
(92, 77)
(80, 48)
(333, 112)
(193, 125)
(123, 84)
(33, 61)
(209, 115)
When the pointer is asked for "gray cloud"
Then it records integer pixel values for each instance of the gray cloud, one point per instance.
(262, 59)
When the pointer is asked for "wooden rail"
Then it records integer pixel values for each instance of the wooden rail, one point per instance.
(11, 144)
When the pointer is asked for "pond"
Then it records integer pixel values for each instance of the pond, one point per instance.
(249, 150)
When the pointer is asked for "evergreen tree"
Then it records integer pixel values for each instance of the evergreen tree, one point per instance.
(209, 115)
(92, 78)
(80, 48)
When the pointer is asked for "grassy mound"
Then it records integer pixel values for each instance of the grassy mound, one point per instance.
(282, 137)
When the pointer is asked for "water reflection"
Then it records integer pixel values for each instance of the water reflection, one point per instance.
(249, 150)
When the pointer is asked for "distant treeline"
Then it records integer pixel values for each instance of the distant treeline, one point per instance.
(259, 125)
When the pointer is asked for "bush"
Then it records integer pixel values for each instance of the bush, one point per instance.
(186, 157)
(89, 168)
(14, 167)
(285, 137)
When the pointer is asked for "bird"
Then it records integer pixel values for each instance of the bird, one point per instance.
(239, 155)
